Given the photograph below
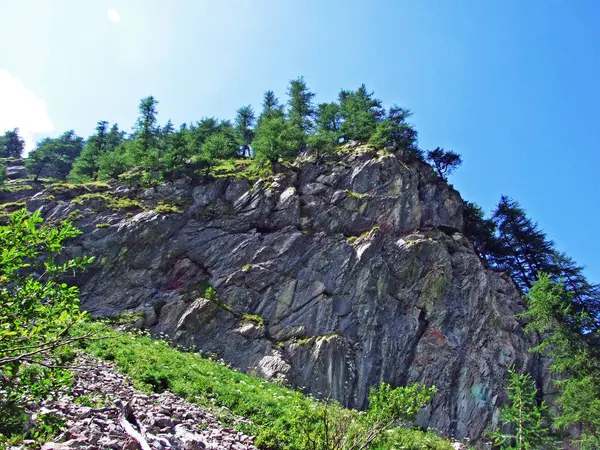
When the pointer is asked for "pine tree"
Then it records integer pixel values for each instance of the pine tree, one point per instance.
(444, 162)
(146, 129)
(522, 247)
(301, 109)
(11, 144)
(395, 131)
(571, 340)
(270, 104)
(327, 133)
(360, 112)
(102, 141)
(244, 127)
(522, 414)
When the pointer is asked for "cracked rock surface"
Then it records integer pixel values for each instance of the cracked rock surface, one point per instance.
(334, 276)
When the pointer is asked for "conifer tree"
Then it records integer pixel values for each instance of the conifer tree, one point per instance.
(327, 132)
(571, 340)
(55, 156)
(102, 141)
(522, 248)
(301, 109)
(11, 144)
(244, 127)
(146, 129)
(270, 104)
(395, 131)
(523, 415)
(444, 162)
(360, 112)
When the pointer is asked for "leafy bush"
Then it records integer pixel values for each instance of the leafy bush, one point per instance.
(37, 314)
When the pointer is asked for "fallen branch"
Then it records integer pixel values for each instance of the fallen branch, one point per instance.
(129, 423)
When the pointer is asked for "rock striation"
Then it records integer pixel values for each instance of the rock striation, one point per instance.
(333, 275)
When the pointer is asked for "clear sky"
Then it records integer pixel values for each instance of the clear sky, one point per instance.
(512, 85)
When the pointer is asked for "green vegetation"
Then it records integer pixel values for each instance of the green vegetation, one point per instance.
(356, 195)
(280, 417)
(444, 162)
(259, 320)
(13, 187)
(11, 145)
(167, 208)
(108, 201)
(102, 225)
(570, 333)
(11, 206)
(523, 415)
(55, 156)
(38, 317)
(152, 153)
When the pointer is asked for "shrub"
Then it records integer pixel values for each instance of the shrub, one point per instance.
(37, 315)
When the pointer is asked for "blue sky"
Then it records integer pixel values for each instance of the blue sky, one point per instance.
(511, 85)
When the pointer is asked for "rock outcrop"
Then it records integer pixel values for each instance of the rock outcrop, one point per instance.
(334, 276)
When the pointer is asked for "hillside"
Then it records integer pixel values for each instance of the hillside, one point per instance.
(334, 275)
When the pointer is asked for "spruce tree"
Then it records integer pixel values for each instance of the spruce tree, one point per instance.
(244, 127)
(11, 144)
(55, 156)
(571, 340)
(523, 416)
(146, 129)
(360, 113)
(301, 109)
(522, 248)
(444, 162)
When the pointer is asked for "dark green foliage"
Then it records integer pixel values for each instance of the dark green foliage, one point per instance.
(360, 113)
(244, 127)
(525, 422)
(112, 164)
(570, 338)
(444, 162)
(37, 315)
(86, 166)
(300, 106)
(146, 128)
(328, 124)
(480, 230)
(54, 157)
(270, 104)
(2, 174)
(11, 144)
(522, 247)
(396, 132)
(221, 145)
(275, 138)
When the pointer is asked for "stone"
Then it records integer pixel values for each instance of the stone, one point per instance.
(347, 263)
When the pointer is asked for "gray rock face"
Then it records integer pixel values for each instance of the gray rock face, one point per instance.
(334, 276)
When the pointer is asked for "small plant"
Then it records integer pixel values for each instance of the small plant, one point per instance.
(166, 208)
(247, 268)
(259, 320)
(522, 414)
(102, 225)
(356, 195)
(342, 429)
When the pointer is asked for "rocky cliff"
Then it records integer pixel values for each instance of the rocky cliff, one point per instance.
(334, 276)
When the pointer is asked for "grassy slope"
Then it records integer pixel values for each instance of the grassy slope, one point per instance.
(274, 410)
